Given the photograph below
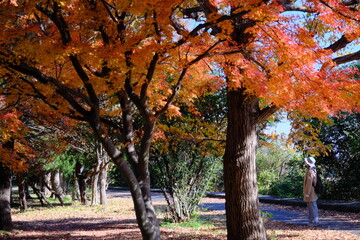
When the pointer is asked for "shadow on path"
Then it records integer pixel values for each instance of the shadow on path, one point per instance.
(339, 223)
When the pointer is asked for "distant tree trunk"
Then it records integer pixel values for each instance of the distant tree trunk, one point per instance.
(56, 185)
(5, 195)
(95, 183)
(82, 183)
(45, 180)
(103, 184)
(243, 217)
(39, 194)
(101, 170)
(27, 192)
(75, 195)
(22, 193)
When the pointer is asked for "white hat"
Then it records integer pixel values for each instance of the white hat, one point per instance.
(310, 161)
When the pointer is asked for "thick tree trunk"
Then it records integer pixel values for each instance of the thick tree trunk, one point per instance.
(144, 210)
(22, 194)
(138, 183)
(95, 189)
(243, 216)
(5, 195)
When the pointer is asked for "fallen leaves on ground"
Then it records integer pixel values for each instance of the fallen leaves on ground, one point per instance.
(117, 221)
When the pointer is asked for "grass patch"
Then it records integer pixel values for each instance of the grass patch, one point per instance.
(4, 233)
(67, 200)
(191, 223)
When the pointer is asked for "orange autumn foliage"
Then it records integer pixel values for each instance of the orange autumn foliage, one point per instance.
(153, 48)
(13, 147)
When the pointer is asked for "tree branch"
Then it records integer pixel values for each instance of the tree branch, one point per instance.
(128, 129)
(181, 77)
(149, 76)
(62, 90)
(347, 58)
(85, 79)
(289, 5)
(266, 112)
(56, 16)
(339, 44)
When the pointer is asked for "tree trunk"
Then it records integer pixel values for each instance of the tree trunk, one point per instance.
(137, 180)
(243, 216)
(94, 186)
(5, 193)
(22, 194)
(39, 194)
(56, 185)
(45, 180)
(144, 209)
(27, 192)
(75, 194)
(82, 183)
(103, 184)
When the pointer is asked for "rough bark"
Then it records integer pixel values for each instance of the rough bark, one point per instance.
(103, 184)
(95, 189)
(242, 205)
(22, 195)
(5, 193)
(95, 180)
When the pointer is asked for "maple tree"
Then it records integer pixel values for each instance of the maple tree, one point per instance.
(102, 61)
(14, 150)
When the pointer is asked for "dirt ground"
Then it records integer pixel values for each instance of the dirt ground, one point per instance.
(117, 221)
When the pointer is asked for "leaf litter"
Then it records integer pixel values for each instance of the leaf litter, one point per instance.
(117, 221)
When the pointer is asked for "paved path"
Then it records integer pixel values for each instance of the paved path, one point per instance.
(334, 222)
(339, 223)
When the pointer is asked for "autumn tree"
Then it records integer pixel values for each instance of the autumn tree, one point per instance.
(106, 60)
(102, 61)
(287, 61)
(13, 149)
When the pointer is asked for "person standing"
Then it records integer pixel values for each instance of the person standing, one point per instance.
(310, 197)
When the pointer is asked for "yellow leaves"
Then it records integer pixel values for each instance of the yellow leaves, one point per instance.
(308, 135)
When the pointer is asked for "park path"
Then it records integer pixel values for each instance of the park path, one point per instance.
(331, 220)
